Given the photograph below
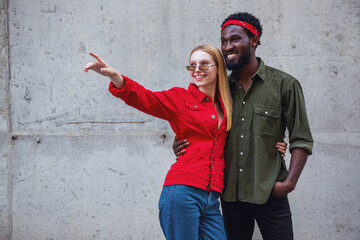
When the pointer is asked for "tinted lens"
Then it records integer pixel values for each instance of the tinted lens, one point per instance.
(201, 67)
(204, 67)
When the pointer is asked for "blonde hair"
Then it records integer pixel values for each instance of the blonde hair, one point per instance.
(222, 83)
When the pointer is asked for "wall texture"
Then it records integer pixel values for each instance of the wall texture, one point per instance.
(76, 163)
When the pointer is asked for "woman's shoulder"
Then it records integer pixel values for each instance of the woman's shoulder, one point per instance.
(181, 92)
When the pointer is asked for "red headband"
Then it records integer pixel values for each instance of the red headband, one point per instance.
(246, 25)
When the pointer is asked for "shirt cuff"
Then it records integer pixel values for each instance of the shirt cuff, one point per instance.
(122, 91)
(307, 146)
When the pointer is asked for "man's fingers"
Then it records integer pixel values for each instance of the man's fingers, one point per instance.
(180, 146)
(176, 144)
(178, 154)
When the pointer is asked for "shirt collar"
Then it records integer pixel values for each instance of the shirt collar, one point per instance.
(194, 90)
(260, 73)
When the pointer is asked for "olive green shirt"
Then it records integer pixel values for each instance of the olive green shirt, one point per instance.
(253, 164)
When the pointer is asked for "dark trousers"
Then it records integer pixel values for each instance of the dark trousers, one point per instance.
(273, 219)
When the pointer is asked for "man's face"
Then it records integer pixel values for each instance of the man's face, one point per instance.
(235, 46)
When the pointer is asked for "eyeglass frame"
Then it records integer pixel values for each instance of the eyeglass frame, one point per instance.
(201, 67)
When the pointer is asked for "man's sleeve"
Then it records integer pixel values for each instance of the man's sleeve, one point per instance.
(296, 117)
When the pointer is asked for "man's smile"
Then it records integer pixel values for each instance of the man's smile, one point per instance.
(230, 57)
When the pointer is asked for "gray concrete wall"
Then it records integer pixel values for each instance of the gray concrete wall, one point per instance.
(5, 128)
(76, 163)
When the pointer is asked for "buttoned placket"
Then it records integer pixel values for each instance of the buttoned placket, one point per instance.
(243, 118)
(214, 118)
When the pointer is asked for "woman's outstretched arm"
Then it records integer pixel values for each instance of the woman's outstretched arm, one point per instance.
(102, 68)
(161, 104)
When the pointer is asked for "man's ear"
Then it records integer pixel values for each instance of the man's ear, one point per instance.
(254, 40)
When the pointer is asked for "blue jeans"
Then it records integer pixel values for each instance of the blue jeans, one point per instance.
(190, 213)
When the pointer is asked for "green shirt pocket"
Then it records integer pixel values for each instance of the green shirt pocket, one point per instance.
(266, 120)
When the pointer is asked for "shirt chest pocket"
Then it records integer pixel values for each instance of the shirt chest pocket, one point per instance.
(266, 120)
(196, 113)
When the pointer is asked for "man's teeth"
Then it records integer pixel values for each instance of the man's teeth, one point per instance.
(230, 56)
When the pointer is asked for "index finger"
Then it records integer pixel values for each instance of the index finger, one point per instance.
(96, 57)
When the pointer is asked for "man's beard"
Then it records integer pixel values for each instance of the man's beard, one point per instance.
(241, 62)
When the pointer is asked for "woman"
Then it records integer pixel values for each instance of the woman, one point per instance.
(189, 206)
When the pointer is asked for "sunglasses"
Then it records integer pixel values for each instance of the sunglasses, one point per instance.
(201, 67)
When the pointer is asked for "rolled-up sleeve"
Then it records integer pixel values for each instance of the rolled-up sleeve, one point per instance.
(296, 118)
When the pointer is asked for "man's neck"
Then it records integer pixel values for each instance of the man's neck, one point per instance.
(243, 75)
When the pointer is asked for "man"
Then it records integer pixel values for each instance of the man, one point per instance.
(266, 101)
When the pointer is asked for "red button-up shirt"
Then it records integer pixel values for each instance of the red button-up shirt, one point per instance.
(191, 115)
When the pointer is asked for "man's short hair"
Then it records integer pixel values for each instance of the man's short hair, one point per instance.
(246, 17)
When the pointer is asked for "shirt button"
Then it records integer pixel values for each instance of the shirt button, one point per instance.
(242, 119)
(207, 185)
(242, 136)
(243, 102)
(240, 170)
(206, 99)
(213, 116)
(196, 106)
(266, 112)
(241, 153)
